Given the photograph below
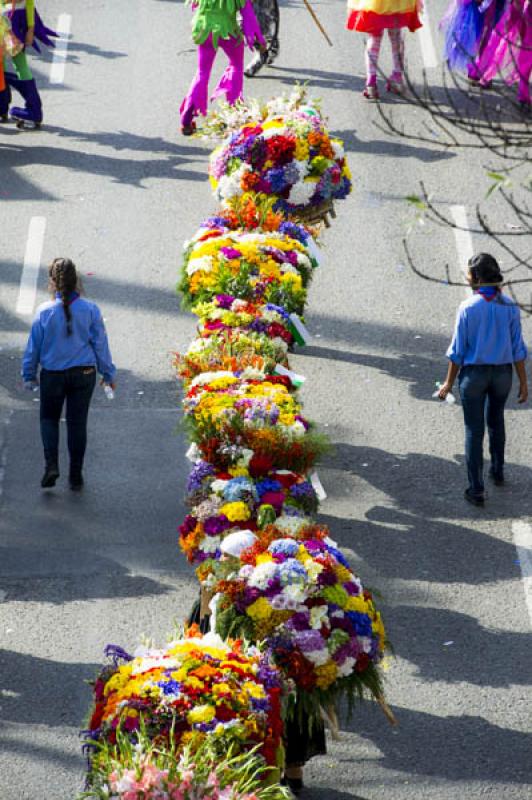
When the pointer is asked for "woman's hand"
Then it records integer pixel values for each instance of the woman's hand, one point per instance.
(445, 388)
(29, 37)
(522, 395)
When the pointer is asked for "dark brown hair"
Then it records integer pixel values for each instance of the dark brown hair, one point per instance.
(63, 278)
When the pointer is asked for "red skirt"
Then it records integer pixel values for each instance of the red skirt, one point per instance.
(370, 22)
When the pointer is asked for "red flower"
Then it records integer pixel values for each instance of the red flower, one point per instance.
(260, 464)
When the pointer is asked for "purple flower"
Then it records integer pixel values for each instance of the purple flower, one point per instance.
(224, 300)
(352, 588)
(214, 526)
(327, 578)
(230, 252)
(299, 621)
(310, 640)
(198, 473)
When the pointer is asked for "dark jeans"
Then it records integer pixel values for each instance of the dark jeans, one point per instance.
(76, 386)
(484, 390)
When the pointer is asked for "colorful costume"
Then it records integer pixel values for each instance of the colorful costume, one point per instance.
(21, 18)
(215, 23)
(374, 17)
(508, 51)
(268, 16)
(467, 26)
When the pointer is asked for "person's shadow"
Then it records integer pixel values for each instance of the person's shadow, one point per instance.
(431, 486)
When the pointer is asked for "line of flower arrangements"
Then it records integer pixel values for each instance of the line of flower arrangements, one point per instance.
(292, 627)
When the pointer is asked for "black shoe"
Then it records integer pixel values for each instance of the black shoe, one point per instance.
(273, 52)
(295, 785)
(188, 130)
(474, 499)
(76, 481)
(256, 64)
(498, 480)
(51, 474)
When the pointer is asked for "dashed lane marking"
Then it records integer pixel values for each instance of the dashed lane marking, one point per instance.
(462, 238)
(32, 263)
(57, 70)
(522, 533)
(426, 42)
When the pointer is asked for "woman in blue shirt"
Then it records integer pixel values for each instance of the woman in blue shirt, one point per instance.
(69, 342)
(487, 340)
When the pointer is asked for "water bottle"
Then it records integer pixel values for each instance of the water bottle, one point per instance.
(450, 399)
(109, 392)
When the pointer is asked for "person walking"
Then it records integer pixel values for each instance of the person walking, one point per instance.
(487, 341)
(69, 342)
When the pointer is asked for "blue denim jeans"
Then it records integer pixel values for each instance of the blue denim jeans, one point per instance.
(484, 390)
(76, 386)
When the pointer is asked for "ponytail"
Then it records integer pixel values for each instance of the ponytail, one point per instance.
(63, 279)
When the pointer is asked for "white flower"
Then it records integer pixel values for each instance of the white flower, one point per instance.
(318, 615)
(245, 571)
(346, 668)
(209, 544)
(238, 305)
(207, 377)
(193, 453)
(204, 263)
(290, 525)
(338, 149)
(262, 574)
(245, 457)
(218, 485)
(301, 193)
(298, 429)
(318, 657)
(294, 594)
(365, 643)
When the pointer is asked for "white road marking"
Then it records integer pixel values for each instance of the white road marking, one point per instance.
(57, 70)
(428, 51)
(32, 263)
(522, 533)
(462, 238)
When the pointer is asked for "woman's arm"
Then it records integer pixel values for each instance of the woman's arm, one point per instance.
(100, 345)
(520, 368)
(452, 372)
(32, 354)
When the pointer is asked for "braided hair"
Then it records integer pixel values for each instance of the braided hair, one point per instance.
(63, 278)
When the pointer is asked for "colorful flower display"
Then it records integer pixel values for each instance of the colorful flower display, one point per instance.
(204, 716)
(282, 153)
(241, 498)
(300, 596)
(196, 687)
(255, 266)
(144, 771)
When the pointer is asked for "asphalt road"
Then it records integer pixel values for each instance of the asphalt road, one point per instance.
(120, 190)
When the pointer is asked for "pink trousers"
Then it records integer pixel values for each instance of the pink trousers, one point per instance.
(231, 83)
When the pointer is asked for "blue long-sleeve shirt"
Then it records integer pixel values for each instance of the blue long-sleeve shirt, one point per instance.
(50, 346)
(487, 332)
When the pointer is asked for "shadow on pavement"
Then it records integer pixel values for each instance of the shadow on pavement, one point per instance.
(478, 655)
(421, 549)
(456, 748)
(39, 691)
(431, 486)
(391, 147)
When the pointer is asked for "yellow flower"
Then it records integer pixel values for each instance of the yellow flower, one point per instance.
(236, 512)
(118, 680)
(342, 573)
(260, 609)
(357, 604)
(238, 472)
(254, 690)
(264, 558)
(201, 714)
(326, 674)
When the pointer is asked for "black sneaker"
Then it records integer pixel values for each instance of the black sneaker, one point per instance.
(474, 499)
(256, 64)
(295, 785)
(498, 480)
(76, 481)
(51, 474)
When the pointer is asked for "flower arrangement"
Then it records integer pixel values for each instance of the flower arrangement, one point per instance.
(283, 152)
(300, 596)
(143, 770)
(222, 502)
(255, 266)
(250, 419)
(197, 687)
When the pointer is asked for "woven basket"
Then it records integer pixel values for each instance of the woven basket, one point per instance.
(312, 215)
